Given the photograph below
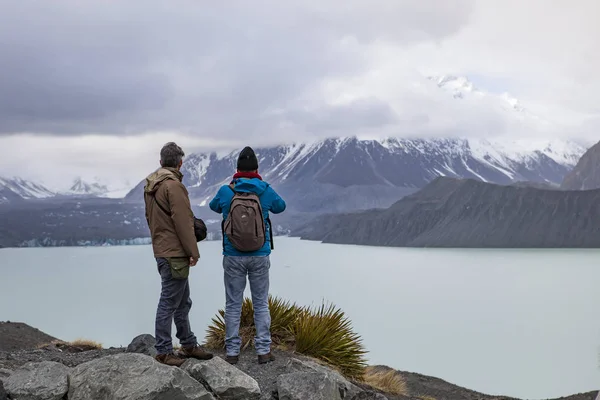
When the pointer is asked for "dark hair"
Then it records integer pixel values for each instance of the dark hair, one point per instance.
(171, 155)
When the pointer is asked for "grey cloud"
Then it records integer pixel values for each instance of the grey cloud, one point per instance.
(68, 67)
(365, 114)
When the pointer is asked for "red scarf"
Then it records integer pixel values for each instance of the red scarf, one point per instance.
(248, 175)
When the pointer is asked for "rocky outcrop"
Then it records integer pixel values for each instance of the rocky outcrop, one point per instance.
(347, 389)
(38, 381)
(115, 374)
(307, 386)
(133, 376)
(468, 213)
(369, 395)
(586, 174)
(143, 344)
(225, 380)
(4, 374)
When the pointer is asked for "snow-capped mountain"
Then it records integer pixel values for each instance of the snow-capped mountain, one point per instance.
(83, 188)
(350, 173)
(16, 189)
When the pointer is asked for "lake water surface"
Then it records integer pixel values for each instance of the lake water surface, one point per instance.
(522, 323)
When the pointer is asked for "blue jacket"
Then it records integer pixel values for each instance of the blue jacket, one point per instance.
(270, 201)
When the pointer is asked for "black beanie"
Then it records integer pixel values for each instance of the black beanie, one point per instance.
(247, 160)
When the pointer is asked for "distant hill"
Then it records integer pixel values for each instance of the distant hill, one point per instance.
(19, 336)
(586, 174)
(467, 213)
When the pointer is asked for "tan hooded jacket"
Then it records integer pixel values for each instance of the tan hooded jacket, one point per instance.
(172, 236)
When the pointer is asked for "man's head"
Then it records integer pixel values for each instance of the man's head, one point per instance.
(247, 161)
(171, 156)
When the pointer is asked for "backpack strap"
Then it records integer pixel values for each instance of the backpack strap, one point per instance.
(271, 232)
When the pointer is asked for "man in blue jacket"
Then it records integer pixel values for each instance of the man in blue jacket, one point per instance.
(247, 243)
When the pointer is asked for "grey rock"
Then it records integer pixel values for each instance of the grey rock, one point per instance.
(132, 376)
(143, 344)
(369, 395)
(4, 374)
(347, 389)
(47, 380)
(225, 380)
(307, 386)
(3, 395)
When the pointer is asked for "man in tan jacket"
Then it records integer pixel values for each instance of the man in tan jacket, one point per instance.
(171, 221)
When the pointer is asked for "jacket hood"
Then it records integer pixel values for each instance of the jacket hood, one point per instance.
(154, 180)
(253, 185)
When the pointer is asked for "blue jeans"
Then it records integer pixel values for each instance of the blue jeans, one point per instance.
(257, 269)
(175, 303)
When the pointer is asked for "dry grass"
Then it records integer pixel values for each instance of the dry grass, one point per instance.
(86, 344)
(75, 346)
(55, 343)
(427, 398)
(386, 381)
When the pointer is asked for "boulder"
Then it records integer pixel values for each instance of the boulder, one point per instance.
(47, 380)
(225, 380)
(4, 374)
(143, 344)
(369, 395)
(131, 376)
(307, 386)
(347, 389)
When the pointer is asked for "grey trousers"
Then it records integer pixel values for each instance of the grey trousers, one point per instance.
(256, 269)
(174, 304)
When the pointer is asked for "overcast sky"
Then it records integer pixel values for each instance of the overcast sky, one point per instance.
(95, 87)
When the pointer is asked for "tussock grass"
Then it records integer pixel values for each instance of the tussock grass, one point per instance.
(386, 381)
(326, 334)
(86, 344)
(56, 343)
(323, 333)
(75, 346)
(283, 317)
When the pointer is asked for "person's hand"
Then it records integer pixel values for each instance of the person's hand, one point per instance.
(193, 261)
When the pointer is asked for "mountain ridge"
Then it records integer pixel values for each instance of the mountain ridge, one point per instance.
(313, 173)
(586, 173)
(468, 213)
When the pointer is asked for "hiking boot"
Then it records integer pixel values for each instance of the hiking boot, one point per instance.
(232, 359)
(266, 358)
(195, 352)
(170, 359)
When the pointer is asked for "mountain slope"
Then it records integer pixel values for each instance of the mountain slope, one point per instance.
(467, 213)
(586, 174)
(349, 173)
(17, 189)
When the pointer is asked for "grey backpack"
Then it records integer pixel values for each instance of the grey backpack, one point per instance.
(245, 225)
